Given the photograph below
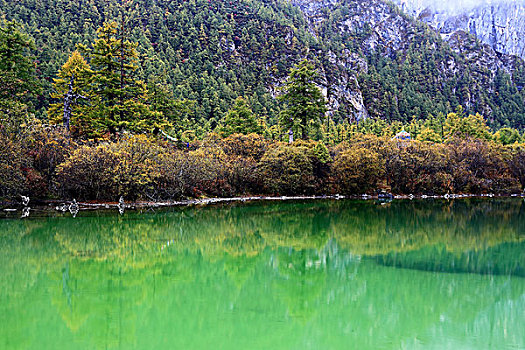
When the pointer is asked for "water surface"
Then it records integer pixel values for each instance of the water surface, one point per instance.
(291, 275)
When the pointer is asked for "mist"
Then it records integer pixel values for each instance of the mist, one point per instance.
(457, 5)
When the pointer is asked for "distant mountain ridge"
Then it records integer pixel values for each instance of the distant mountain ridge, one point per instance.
(501, 24)
(403, 67)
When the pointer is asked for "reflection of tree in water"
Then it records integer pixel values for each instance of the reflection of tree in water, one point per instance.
(467, 227)
(312, 260)
(481, 237)
(405, 226)
(302, 276)
(240, 268)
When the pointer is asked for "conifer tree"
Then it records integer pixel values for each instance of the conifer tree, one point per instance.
(161, 100)
(72, 82)
(304, 102)
(240, 119)
(18, 82)
(507, 136)
(118, 98)
(472, 126)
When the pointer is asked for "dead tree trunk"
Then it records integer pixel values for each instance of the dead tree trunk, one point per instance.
(70, 99)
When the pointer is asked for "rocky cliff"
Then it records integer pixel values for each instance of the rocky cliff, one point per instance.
(392, 66)
(501, 24)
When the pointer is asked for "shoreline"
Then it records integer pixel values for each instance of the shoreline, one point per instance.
(74, 207)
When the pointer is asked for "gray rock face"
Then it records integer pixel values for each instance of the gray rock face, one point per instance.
(501, 24)
(388, 30)
(382, 28)
(344, 89)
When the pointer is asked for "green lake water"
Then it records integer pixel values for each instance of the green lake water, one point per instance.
(290, 275)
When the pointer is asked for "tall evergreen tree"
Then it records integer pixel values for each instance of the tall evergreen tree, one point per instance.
(18, 82)
(161, 100)
(71, 84)
(118, 98)
(304, 102)
(240, 119)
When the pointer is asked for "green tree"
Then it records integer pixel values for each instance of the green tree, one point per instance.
(239, 120)
(304, 102)
(118, 98)
(473, 126)
(161, 100)
(507, 136)
(18, 82)
(429, 134)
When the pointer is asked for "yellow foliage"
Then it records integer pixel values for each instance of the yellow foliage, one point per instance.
(358, 170)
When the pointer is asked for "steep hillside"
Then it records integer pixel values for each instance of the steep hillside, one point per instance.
(404, 68)
(501, 24)
(209, 51)
(374, 61)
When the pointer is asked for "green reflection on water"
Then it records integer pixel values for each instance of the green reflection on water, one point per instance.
(322, 274)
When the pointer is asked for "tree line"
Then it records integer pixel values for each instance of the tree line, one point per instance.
(111, 134)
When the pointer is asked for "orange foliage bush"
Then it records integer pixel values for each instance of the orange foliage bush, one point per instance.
(45, 161)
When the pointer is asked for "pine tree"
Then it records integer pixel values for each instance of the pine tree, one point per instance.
(118, 98)
(240, 120)
(507, 136)
(72, 83)
(161, 100)
(18, 82)
(459, 126)
(304, 102)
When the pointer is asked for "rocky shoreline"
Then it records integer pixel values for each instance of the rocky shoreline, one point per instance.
(73, 207)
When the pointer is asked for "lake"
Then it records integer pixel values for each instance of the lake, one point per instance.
(349, 274)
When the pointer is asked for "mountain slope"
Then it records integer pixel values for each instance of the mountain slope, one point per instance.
(209, 51)
(500, 24)
(408, 69)
(374, 61)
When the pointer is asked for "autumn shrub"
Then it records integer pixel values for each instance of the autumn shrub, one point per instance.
(321, 162)
(458, 166)
(247, 146)
(243, 175)
(320, 159)
(138, 167)
(180, 174)
(211, 165)
(516, 163)
(12, 164)
(47, 147)
(124, 168)
(358, 170)
(480, 167)
(174, 177)
(28, 157)
(89, 173)
(379, 144)
(287, 170)
(418, 168)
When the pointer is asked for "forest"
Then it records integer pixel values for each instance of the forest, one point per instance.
(211, 52)
(122, 111)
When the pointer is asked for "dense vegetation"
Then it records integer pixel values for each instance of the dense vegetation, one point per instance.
(212, 52)
(119, 127)
(209, 52)
(138, 167)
